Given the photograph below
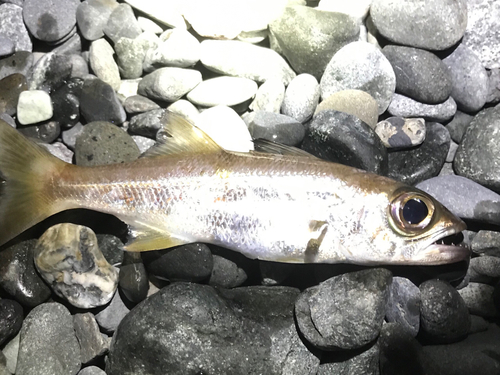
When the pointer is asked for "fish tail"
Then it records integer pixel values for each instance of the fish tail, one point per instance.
(26, 172)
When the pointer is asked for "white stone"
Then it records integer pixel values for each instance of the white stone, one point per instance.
(177, 48)
(168, 12)
(301, 97)
(354, 8)
(223, 90)
(128, 87)
(33, 106)
(147, 25)
(185, 108)
(269, 96)
(143, 143)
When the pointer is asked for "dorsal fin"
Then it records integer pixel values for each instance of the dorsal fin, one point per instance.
(179, 136)
(263, 145)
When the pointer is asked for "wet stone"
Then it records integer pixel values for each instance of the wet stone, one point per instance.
(12, 25)
(50, 72)
(69, 260)
(92, 16)
(444, 314)
(276, 128)
(133, 279)
(458, 126)
(122, 24)
(486, 243)
(301, 97)
(403, 306)
(98, 102)
(18, 276)
(103, 64)
(92, 343)
(66, 103)
(10, 89)
(139, 104)
(226, 273)
(402, 106)
(269, 96)
(169, 84)
(423, 162)
(148, 123)
(397, 132)
(344, 139)
(11, 319)
(33, 106)
(479, 299)
(329, 321)
(46, 132)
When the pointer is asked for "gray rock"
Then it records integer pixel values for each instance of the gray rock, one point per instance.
(11, 352)
(452, 152)
(69, 136)
(139, 104)
(403, 106)
(92, 343)
(365, 363)
(10, 89)
(91, 370)
(330, 321)
(60, 151)
(401, 22)
(477, 156)
(143, 143)
(403, 306)
(20, 62)
(478, 324)
(13, 27)
(48, 343)
(493, 86)
(469, 79)
(148, 123)
(178, 48)
(69, 260)
(110, 317)
(486, 243)
(481, 35)
(443, 312)
(458, 126)
(479, 299)
(92, 16)
(33, 106)
(276, 128)
(169, 84)
(7, 46)
(269, 96)
(228, 91)
(98, 102)
(360, 65)
(133, 278)
(79, 67)
(226, 273)
(301, 97)
(72, 45)
(397, 132)
(308, 37)
(130, 54)
(103, 63)
(50, 72)
(122, 23)
(357, 9)
(420, 74)
(484, 268)
(245, 60)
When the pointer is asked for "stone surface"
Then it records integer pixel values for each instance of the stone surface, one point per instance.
(45, 132)
(361, 66)
(357, 9)
(69, 136)
(98, 102)
(401, 22)
(139, 104)
(68, 259)
(397, 132)
(479, 299)
(178, 48)
(402, 106)
(469, 79)
(330, 321)
(485, 268)
(33, 106)
(420, 74)
(10, 89)
(130, 56)
(92, 343)
(458, 125)
(7, 46)
(228, 91)
(11, 319)
(418, 164)
(366, 362)
(92, 16)
(486, 243)
(148, 123)
(309, 37)
(169, 84)
(20, 62)
(110, 317)
(59, 150)
(11, 352)
(133, 278)
(122, 24)
(50, 72)
(12, 25)
(493, 86)
(91, 370)
(245, 60)
(301, 97)
(477, 156)
(112, 248)
(269, 96)
(403, 305)
(66, 103)
(276, 128)
(48, 343)
(167, 13)
(343, 138)
(226, 273)
(103, 64)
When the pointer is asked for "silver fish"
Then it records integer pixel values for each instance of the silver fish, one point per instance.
(288, 208)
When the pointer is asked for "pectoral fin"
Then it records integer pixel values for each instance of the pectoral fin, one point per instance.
(318, 231)
(144, 237)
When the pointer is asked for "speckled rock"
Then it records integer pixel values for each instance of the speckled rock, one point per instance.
(486, 243)
(301, 97)
(269, 96)
(228, 91)
(98, 102)
(484, 269)
(276, 128)
(92, 342)
(458, 126)
(10, 89)
(397, 132)
(479, 299)
(367, 362)
(402, 106)
(169, 84)
(403, 306)
(130, 56)
(12, 25)
(122, 23)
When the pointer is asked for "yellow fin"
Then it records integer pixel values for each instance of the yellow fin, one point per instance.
(263, 145)
(144, 237)
(179, 136)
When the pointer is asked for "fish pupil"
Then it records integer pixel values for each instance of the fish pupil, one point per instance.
(415, 211)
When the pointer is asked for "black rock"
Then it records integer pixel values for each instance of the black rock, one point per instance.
(50, 72)
(458, 126)
(420, 74)
(122, 23)
(424, 161)
(103, 143)
(10, 88)
(147, 123)
(18, 276)
(21, 62)
(192, 262)
(403, 306)
(11, 319)
(276, 128)
(330, 321)
(66, 103)
(226, 273)
(112, 248)
(345, 139)
(444, 314)
(92, 343)
(98, 102)
(46, 132)
(133, 279)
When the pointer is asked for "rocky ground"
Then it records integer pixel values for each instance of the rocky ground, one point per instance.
(405, 89)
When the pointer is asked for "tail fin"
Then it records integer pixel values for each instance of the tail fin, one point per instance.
(26, 169)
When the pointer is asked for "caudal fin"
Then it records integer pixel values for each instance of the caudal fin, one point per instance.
(26, 170)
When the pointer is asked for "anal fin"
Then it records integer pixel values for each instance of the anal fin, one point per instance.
(144, 237)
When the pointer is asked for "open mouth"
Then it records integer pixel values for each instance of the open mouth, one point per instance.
(448, 249)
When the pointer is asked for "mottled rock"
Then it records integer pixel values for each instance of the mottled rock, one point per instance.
(458, 126)
(122, 24)
(92, 16)
(403, 306)
(479, 299)
(276, 128)
(98, 102)
(33, 106)
(148, 123)
(485, 269)
(301, 97)
(11, 319)
(12, 25)
(92, 343)
(130, 56)
(397, 132)
(402, 106)
(169, 84)
(269, 96)
(228, 91)
(10, 89)
(103, 63)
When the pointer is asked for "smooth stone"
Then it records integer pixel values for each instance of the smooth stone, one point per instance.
(69, 136)
(276, 128)
(71, 46)
(12, 25)
(79, 66)
(112, 248)
(8, 119)
(46, 132)
(148, 25)
(240, 59)
(69, 260)
(357, 9)
(309, 37)
(92, 16)
(228, 91)
(493, 86)
(185, 109)
(239, 331)
(122, 24)
(421, 163)
(469, 79)
(60, 151)
(133, 278)
(103, 63)
(354, 102)
(192, 262)
(330, 321)
(485, 265)
(477, 155)
(98, 102)
(226, 128)
(91, 370)
(465, 198)
(139, 104)
(397, 132)
(402, 106)
(169, 84)
(92, 343)
(168, 13)
(129, 87)
(478, 324)
(301, 97)
(345, 139)
(403, 306)
(226, 273)
(66, 103)
(420, 74)
(10, 89)
(401, 22)
(110, 317)
(20, 62)
(7, 46)
(178, 48)
(481, 35)
(130, 55)
(365, 363)
(11, 319)
(103, 143)
(269, 96)
(479, 299)
(50, 72)
(11, 352)
(33, 106)
(148, 123)
(458, 125)
(486, 243)
(48, 342)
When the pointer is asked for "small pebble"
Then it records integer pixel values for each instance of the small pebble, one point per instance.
(139, 104)
(397, 132)
(91, 370)
(92, 343)
(122, 23)
(269, 96)
(10, 89)
(47, 132)
(110, 317)
(402, 106)
(33, 106)
(98, 102)
(227, 91)
(133, 279)
(458, 126)
(143, 143)
(59, 150)
(276, 128)
(403, 306)
(66, 103)
(12, 25)
(92, 16)
(169, 84)
(301, 97)
(479, 299)
(148, 123)
(486, 243)
(226, 273)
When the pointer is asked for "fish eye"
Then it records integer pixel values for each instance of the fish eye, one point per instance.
(415, 211)
(412, 213)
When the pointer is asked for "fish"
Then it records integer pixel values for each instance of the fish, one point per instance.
(277, 204)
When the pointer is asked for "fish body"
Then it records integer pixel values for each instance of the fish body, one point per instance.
(288, 208)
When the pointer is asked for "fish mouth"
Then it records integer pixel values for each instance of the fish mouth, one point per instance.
(448, 248)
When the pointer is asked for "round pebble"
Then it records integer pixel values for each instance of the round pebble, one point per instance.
(458, 125)
(33, 106)
(360, 66)
(130, 56)
(228, 91)
(92, 16)
(301, 97)
(276, 128)
(122, 24)
(397, 132)
(402, 106)
(139, 104)
(169, 84)
(46, 132)
(269, 96)
(103, 64)
(98, 102)
(12, 25)
(10, 89)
